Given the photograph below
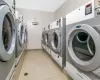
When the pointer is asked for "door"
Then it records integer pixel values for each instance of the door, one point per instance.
(46, 38)
(55, 41)
(21, 34)
(83, 46)
(7, 33)
(25, 35)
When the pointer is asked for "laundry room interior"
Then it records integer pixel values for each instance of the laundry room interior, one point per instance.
(50, 40)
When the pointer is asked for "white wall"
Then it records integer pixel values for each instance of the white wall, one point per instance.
(35, 32)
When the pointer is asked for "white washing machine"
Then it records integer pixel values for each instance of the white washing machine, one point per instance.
(19, 38)
(83, 42)
(58, 41)
(7, 42)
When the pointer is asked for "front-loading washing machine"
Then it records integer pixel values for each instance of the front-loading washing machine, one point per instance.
(7, 42)
(19, 39)
(58, 40)
(83, 42)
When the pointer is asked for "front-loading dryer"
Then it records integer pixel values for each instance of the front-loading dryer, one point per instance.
(43, 44)
(47, 39)
(25, 36)
(19, 39)
(83, 43)
(58, 40)
(7, 42)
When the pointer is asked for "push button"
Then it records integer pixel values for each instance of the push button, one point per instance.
(88, 9)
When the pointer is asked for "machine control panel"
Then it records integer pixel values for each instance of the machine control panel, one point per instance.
(88, 9)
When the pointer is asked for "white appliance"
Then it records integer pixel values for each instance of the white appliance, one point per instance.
(47, 39)
(25, 36)
(83, 42)
(7, 42)
(43, 39)
(20, 36)
(58, 41)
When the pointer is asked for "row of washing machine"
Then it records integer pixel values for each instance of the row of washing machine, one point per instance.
(13, 40)
(74, 42)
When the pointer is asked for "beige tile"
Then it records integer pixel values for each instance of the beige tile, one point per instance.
(18, 67)
(39, 66)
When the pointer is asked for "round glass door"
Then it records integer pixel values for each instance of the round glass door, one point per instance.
(55, 41)
(83, 46)
(46, 38)
(7, 33)
(25, 40)
(83, 43)
(21, 34)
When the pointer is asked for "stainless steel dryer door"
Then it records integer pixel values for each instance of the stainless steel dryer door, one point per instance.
(46, 38)
(43, 37)
(56, 40)
(21, 34)
(7, 34)
(26, 36)
(84, 47)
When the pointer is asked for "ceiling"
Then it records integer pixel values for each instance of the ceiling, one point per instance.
(42, 5)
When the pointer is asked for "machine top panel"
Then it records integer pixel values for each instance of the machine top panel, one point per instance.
(84, 12)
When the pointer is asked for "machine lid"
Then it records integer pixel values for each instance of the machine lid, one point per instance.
(83, 46)
(55, 42)
(7, 34)
(21, 34)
